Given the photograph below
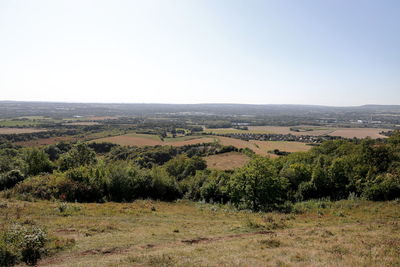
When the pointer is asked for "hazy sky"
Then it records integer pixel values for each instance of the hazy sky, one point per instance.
(329, 52)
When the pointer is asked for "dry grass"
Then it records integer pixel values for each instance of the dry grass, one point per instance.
(262, 147)
(150, 233)
(151, 140)
(20, 130)
(314, 131)
(226, 161)
(46, 141)
(84, 123)
(281, 145)
(359, 133)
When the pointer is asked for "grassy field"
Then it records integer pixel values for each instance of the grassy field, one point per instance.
(306, 130)
(151, 233)
(226, 161)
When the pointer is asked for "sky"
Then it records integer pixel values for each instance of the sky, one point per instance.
(330, 52)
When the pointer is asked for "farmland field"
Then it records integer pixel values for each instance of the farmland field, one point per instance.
(20, 130)
(262, 147)
(152, 140)
(46, 141)
(226, 161)
(86, 123)
(281, 145)
(152, 233)
(306, 130)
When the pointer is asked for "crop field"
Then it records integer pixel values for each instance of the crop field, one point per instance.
(262, 147)
(46, 141)
(226, 161)
(20, 130)
(85, 123)
(306, 130)
(281, 145)
(152, 233)
(359, 133)
(153, 140)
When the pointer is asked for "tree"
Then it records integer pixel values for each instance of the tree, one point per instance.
(37, 161)
(257, 186)
(80, 155)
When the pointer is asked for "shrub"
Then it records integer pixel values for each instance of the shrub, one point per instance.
(10, 179)
(383, 187)
(257, 186)
(24, 243)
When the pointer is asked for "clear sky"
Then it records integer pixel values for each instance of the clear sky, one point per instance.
(328, 52)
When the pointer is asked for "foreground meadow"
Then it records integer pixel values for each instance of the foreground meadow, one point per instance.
(183, 233)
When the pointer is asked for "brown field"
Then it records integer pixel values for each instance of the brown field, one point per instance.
(99, 118)
(286, 130)
(343, 132)
(281, 145)
(46, 141)
(262, 147)
(86, 123)
(359, 133)
(226, 161)
(20, 130)
(143, 140)
(182, 233)
(227, 141)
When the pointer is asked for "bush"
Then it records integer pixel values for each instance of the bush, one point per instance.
(384, 187)
(257, 186)
(22, 243)
(10, 179)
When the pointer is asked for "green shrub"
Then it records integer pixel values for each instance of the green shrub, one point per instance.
(257, 186)
(23, 243)
(10, 179)
(384, 187)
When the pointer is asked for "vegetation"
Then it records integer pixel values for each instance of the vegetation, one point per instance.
(334, 170)
(151, 233)
(324, 198)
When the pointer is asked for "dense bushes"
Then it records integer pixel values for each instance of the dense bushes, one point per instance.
(335, 170)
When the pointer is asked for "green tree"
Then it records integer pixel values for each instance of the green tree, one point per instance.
(37, 161)
(80, 155)
(257, 186)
